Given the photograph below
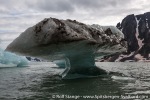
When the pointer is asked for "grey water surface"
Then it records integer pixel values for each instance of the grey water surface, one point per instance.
(40, 81)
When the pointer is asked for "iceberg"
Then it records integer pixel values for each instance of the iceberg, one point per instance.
(73, 42)
(8, 59)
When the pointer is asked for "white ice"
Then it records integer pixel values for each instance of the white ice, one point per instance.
(8, 59)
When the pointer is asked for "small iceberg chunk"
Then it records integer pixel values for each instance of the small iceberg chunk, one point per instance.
(10, 59)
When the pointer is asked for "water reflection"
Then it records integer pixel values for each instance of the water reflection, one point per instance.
(93, 86)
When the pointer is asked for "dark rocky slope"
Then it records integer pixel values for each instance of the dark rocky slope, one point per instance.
(136, 30)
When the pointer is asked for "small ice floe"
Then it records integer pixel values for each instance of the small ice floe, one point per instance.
(123, 78)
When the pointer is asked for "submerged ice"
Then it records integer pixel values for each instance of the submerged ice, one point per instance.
(10, 59)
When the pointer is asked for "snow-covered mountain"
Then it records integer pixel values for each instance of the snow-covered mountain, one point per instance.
(33, 59)
(136, 30)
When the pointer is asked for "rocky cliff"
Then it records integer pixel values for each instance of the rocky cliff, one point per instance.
(136, 30)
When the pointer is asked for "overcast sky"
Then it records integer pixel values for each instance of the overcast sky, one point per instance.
(18, 15)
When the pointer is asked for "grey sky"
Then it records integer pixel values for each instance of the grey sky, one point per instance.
(18, 15)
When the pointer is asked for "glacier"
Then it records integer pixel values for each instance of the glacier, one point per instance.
(8, 59)
(73, 42)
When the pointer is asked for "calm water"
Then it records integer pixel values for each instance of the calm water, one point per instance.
(40, 81)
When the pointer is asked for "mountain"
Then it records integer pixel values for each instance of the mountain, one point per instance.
(33, 59)
(136, 30)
